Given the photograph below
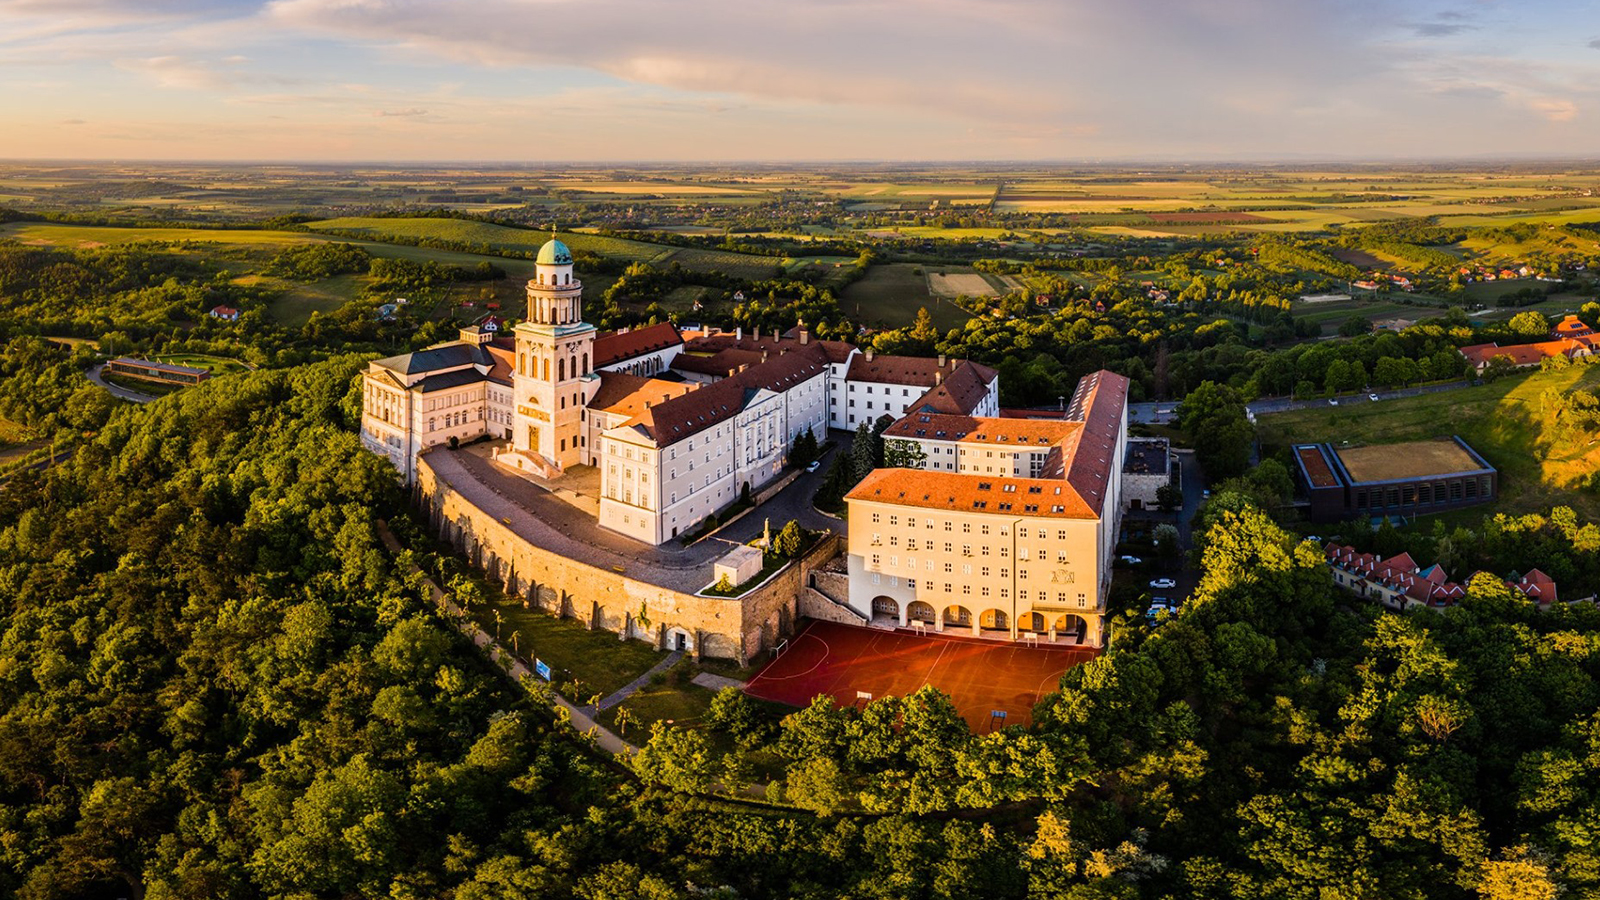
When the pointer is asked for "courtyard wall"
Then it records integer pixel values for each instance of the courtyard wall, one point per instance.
(723, 628)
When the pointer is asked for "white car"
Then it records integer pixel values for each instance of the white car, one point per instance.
(1374, 398)
(1164, 583)
(1130, 560)
(1333, 401)
(815, 465)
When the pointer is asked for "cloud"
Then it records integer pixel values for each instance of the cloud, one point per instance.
(1594, 44)
(400, 113)
(177, 72)
(1556, 110)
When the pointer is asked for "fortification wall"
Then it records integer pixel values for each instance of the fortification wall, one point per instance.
(816, 605)
(737, 629)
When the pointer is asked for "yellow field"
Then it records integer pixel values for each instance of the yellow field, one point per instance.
(45, 234)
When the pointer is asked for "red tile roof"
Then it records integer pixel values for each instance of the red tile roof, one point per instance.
(837, 351)
(1049, 497)
(960, 393)
(630, 395)
(614, 347)
(1032, 433)
(1100, 401)
(1076, 475)
(693, 412)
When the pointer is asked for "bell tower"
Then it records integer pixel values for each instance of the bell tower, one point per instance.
(554, 367)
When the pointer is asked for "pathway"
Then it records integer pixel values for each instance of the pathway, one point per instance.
(519, 672)
(628, 689)
(121, 393)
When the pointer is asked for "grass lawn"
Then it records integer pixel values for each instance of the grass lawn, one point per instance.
(1541, 465)
(12, 433)
(889, 296)
(139, 385)
(295, 301)
(216, 365)
(598, 660)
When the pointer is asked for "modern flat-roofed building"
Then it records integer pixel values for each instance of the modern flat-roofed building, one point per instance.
(150, 370)
(1021, 548)
(1392, 479)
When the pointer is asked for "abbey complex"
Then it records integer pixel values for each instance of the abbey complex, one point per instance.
(989, 525)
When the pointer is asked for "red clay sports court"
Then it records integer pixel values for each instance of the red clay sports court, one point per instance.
(980, 675)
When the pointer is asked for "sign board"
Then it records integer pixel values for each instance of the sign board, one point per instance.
(543, 668)
(532, 413)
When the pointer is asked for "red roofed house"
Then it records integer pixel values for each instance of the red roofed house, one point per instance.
(1399, 584)
(225, 313)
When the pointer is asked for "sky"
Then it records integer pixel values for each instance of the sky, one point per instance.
(528, 81)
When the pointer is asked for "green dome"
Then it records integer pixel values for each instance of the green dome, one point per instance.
(554, 253)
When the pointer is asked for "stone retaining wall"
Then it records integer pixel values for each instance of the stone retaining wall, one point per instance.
(737, 629)
(816, 605)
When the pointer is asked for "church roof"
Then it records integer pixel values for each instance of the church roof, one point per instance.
(554, 253)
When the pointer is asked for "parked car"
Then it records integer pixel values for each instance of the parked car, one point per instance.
(1374, 398)
(1129, 560)
(1333, 401)
(1158, 605)
(1313, 539)
(1206, 493)
(1164, 584)
(815, 465)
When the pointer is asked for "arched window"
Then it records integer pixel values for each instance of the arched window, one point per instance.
(561, 370)
(547, 368)
(586, 364)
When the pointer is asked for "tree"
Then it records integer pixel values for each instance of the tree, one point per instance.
(1355, 326)
(864, 453)
(790, 541)
(903, 454)
(1529, 323)
(816, 784)
(678, 758)
(1214, 417)
(804, 449)
(1168, 497)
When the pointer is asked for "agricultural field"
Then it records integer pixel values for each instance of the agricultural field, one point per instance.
(1540, 463)
(888, 296)
(1330, 314)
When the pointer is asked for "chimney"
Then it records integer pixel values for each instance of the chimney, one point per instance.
(757, 332)
(805, 337)
(941, 360)
(647, 404)
(869, 354)
(738, 333)
(763, 356)
(782, 350)
(938, 379)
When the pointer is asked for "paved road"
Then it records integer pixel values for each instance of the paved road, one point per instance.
(121, 393)
(631, 687)
(1166, 411)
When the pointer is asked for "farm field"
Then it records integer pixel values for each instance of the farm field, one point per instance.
(1330, 314)
(89, 236)
(522, 240)
(949, 285)
(1539, 465)
(888, 296)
